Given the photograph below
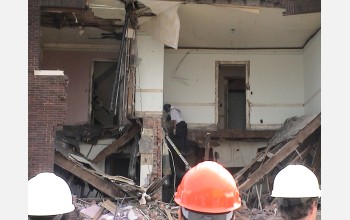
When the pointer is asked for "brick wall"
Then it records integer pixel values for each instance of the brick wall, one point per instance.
(47, 108)
(46, 113)
(155, 124)
(33, 35)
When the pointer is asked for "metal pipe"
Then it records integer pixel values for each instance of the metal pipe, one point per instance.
(121, 50)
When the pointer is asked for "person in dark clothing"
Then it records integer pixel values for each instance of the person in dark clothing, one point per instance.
(180, 127)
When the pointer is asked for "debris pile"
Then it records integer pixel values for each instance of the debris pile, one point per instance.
(121, 210)
(298, 141)
(153, 210)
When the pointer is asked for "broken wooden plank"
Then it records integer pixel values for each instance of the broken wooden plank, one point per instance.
(84, 162)
(301, 156)
(290, 128)
(131, 88)
(113, 147)
(167, 211)
(90, 212)
(99, 213)
(110, 206)
(103, 185)
(284, 151)
(240, 173)
(316, 163)
(118, 179)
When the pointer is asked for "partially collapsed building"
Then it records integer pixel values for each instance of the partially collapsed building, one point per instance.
(245, 74)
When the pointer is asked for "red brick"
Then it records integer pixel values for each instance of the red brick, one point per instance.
(45, 110)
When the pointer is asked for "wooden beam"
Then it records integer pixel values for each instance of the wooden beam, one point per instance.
(63, 3)
(199, 136)
(240, 173)
(302, 155)
(273, 145)
(110, 206)
(284, 151)
(131, 88)
(241, 3)
(316, 163)
(103, 185)
(168, 214)
(294, 7)
(63, 10)
(113, 147)
(237, 133)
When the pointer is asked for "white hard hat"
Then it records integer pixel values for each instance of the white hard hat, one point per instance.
(48, 194)
(296, 181)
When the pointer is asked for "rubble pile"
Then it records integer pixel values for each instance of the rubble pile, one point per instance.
(153, 210)
(118, 210)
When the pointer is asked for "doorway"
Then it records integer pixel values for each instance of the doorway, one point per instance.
(103, 76)
(232, 104)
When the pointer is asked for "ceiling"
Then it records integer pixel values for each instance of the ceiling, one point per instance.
(201, 25)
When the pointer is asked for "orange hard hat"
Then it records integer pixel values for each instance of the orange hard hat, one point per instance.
(208, 187)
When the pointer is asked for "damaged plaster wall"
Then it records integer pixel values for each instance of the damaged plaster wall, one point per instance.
(77, 66)
(90, 151)
(276, 84)
(165, 26)
(146, 144)
(237, 153)
(312, 75)
(149, 104)
(149, 76)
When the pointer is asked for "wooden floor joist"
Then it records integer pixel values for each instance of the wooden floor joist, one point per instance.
(103, 185)
(281, 154)
(113, 147)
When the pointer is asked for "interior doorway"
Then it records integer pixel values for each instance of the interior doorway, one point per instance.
(232, 85)
(103, 76)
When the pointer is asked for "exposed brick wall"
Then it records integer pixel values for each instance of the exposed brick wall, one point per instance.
(33, 35)
(155, 124)
(47, 108)
(46, 113)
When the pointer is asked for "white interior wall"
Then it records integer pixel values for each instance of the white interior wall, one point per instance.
(237, 153)
(277, 88)
(149, 75)
(149, 91)
(312, 75)
(276, 82)
(91, 151)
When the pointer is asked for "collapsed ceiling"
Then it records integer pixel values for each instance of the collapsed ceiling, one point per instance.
(203, 24)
